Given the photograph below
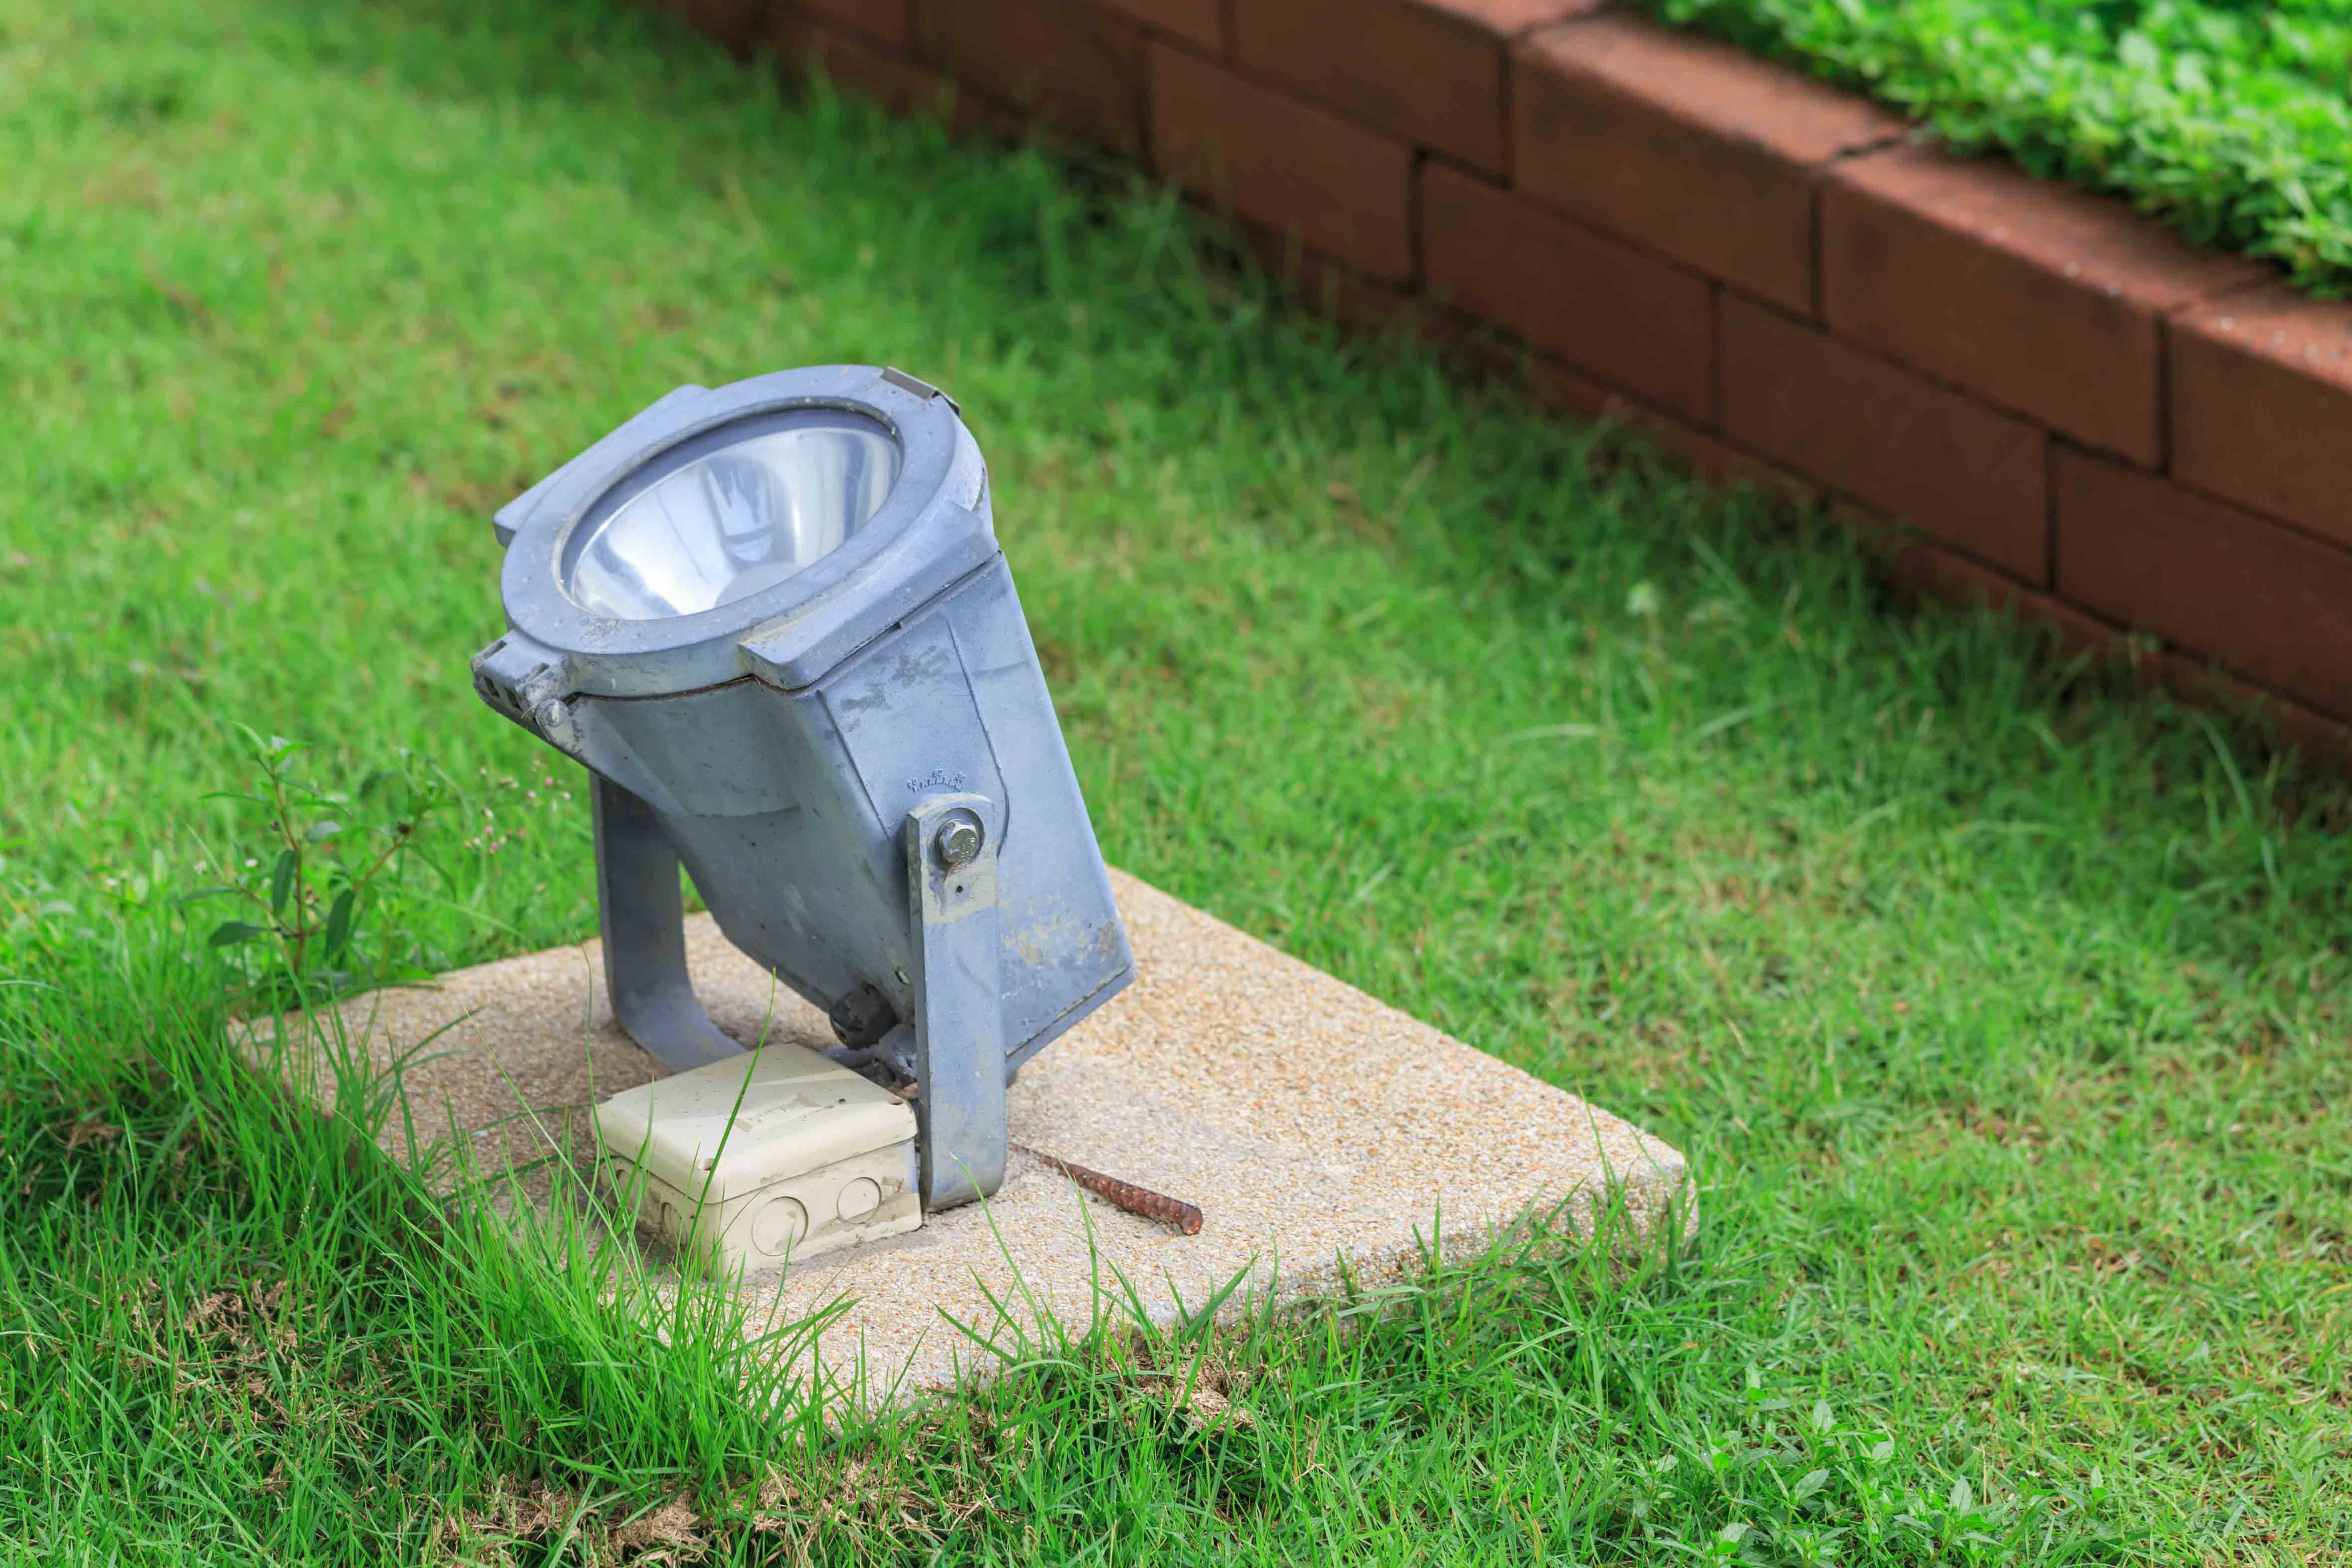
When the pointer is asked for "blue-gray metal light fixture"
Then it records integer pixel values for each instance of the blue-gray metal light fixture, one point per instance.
(773, 621)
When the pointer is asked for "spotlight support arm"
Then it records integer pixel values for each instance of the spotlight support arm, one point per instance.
(642, 917)
(958, 982)
(951, 893)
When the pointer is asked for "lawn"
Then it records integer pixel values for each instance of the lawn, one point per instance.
(2000, 1007)
(2228, 119)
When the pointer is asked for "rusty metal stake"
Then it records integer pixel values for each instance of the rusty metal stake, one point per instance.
(1126, 1195)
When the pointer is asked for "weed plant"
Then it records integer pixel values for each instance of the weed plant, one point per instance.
(1998, 1004)
(2230, 120)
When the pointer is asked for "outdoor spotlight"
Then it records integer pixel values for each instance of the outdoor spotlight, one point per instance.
(772, 622)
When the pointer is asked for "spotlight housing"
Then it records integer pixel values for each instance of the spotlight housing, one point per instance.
(773, 621)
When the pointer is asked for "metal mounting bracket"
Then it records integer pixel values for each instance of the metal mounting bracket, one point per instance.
(951, 896)
(643, 918)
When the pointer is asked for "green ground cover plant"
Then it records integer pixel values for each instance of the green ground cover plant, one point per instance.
(2000, 1007)
(2230, 120)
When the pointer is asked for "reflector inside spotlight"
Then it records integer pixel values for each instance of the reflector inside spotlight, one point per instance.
(718, 528)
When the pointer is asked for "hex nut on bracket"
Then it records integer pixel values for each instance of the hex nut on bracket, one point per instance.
(960, 838)
(862, 1017)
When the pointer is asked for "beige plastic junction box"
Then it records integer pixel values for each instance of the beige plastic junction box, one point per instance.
(817, 1158)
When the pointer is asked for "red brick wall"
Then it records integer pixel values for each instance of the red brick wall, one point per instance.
(2066, 409)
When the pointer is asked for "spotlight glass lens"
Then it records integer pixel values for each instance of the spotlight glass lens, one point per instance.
(736, 520)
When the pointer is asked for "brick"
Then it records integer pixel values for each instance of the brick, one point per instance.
(1920, 570)
(1607, 308)
(1559, 387)
(1869, 429)
(1430, 73)
(885, 22)
(2286, 723)
(2045, 300)
(1713, 459)
(1684, 145)
(1927, 570)
(1503, 18)
(2262, 406)
(889, 78)
(734, 25)
(1339, 293)
(1339, 188)
(2267, 602)
(1200, 21)
(1072, 66)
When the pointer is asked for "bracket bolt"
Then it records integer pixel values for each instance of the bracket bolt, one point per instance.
(960, 838)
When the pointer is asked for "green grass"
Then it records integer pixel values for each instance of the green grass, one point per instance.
(2228, 119)
(1998, 1007)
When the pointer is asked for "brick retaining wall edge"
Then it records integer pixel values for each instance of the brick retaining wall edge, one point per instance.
(2087, 421)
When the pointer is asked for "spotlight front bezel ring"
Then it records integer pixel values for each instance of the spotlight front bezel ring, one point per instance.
(930, 530)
